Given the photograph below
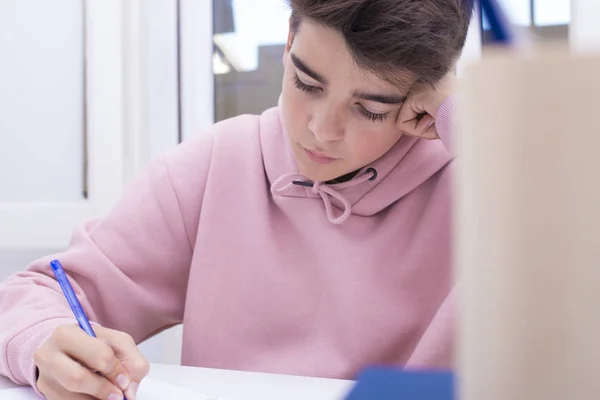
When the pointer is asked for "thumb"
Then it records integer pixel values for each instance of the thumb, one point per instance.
(426, 128)
(127, 352)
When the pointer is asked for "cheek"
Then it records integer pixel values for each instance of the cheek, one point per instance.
(295, 107)
(372, 144)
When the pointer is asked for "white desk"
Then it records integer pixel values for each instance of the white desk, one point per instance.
(236, 385)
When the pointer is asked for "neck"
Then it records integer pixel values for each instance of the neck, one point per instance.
(343, 178)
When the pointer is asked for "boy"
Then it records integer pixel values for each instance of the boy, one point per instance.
(313, 239)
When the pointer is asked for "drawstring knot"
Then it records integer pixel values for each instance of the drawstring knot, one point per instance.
(325, 190)
(316, 187)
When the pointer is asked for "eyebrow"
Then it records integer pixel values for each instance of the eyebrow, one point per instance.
(307, 70)
(378, 98)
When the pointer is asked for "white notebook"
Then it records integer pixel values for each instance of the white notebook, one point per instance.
(149, 390)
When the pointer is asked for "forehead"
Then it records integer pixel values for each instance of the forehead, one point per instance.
(325, 50)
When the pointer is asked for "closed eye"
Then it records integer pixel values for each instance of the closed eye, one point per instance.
(372, 116)
(304, 87)
(315, 89)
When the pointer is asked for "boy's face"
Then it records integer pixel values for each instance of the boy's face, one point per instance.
(339, 118)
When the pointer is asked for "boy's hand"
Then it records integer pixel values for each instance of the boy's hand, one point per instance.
(419, 111)
(66, 360)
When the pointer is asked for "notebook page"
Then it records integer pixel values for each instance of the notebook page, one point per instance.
(150, 389)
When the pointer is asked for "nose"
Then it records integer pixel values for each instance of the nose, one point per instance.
(327, 125)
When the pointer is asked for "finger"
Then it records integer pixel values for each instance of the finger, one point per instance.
(75, 378)
(426, 128)
(407, 118)
(127, 352)
(52, 390)
(431, 133)
(93, 353)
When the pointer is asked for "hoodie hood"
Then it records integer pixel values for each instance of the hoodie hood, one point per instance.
(407, 165)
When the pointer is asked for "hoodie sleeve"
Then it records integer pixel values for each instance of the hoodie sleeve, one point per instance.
(129, 269)
(446, 122)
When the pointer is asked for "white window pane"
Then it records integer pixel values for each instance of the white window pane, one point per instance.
(249, 37)
(41, 100)
(552, 12)
(241, 47)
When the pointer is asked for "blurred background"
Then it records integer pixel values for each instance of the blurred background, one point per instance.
(92, 90)
(544, 19)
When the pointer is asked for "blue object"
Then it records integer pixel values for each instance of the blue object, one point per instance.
(394, 384)
(499, 26)
(72, 299)
(65, 285)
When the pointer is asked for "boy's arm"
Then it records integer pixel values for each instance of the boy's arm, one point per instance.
(129, 270)
(445, 122)
(430, 113)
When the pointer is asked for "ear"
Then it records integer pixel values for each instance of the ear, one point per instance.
(288, 45)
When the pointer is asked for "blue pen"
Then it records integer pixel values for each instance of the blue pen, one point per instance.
(72, 299)
(65, 285)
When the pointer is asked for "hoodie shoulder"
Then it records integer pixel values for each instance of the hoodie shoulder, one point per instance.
(221, 150)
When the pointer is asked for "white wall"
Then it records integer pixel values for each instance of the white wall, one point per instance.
(472, 49)
(151, 88)
(197, 80)
(41, 100)
(132, 111)
(585, 27)
(14, 260)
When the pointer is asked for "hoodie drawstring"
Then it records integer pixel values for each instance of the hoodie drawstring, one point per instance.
(325, 190)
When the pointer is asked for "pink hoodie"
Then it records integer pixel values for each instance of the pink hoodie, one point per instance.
(265, 274)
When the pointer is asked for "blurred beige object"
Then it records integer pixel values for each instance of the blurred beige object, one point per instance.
(528, 227)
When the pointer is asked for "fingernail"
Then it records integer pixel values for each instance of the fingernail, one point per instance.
(131, 393)
(123, 381)
(115, 396)
(432, 123)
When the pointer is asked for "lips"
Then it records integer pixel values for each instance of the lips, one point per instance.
(319, 154)
(319, 158)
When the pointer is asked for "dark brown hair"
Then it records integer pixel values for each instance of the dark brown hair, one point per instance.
(388, 37)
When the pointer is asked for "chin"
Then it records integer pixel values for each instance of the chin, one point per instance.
(320, 174)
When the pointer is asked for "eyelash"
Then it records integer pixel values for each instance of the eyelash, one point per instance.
(313, 89)
(372, 116)
(304, 87)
